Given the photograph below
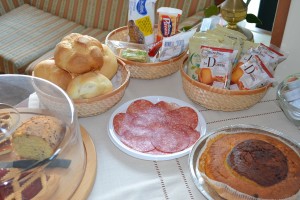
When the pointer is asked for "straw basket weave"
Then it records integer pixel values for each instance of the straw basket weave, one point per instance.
(96, 105)
(146, 70)
(102, 103)
(220, 99)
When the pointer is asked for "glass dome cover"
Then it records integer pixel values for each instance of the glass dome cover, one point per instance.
(35, 114)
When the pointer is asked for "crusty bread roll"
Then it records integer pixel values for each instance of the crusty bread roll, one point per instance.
(38, 137)
(78, 53)
(110, 64)
(47, 69)
(89, 85)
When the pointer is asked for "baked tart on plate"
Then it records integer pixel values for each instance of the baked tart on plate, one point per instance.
(247, 164)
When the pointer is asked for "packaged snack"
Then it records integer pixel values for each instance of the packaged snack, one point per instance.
(251, 75)
(248, 46)
(175, 45)
(134, 55)
(268, 53)
(168, 21)
(154, 48)
(116, 46)
(203, 39)
(215, 66)
(211, 23)
(270, 57)
(141, 17)
(237, 38)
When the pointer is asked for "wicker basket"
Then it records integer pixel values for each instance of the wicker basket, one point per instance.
(102, 103)
(220, 99)
(96, 105)
(146, 70)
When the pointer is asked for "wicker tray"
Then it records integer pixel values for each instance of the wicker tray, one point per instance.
(220, 99)
(146, 70)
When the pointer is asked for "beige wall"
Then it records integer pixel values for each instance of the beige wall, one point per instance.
(291, 43)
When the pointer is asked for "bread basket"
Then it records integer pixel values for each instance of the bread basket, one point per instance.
(219, 99)
(99, 104)
(146, 70)
(102, 103)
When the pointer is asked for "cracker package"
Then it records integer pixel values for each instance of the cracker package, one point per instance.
(251, 75)
(141, 16)
(168, 21)
(215, 66)
(175, 45)
(270, 57)
(198, 40)
(237, 38)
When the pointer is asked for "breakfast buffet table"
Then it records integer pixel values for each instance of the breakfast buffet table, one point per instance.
(121, 176)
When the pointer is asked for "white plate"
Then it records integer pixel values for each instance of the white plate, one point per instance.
(154, 99)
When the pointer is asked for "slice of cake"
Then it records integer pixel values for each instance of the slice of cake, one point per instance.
(38, 137)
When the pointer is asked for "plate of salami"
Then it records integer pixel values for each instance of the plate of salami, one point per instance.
(156, 127)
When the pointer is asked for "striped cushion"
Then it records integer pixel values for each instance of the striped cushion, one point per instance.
(8, 5)
(110, 14)
(38, 32)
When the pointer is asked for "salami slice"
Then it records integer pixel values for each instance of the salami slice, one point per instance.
(193, 134)
(139, 106)
(141, 143)
(122, 122)
(183, 115)
(169, 140)
(165, 106)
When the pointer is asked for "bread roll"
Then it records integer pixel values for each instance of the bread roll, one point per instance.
(89, 85)
(38, 137)
(47, 69)
(110, 64)
(78, 53)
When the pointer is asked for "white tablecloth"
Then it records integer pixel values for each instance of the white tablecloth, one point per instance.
(120, 176)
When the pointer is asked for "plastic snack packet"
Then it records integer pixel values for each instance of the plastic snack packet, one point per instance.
(175, 45)
(275, 56)
(270, 57)
(141, 16)
(134, 55)
(168, 21)
(116, 46)
(251, 75)
(215, 67)
(204, 39)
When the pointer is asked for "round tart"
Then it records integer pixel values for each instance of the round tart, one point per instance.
(250, 165)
